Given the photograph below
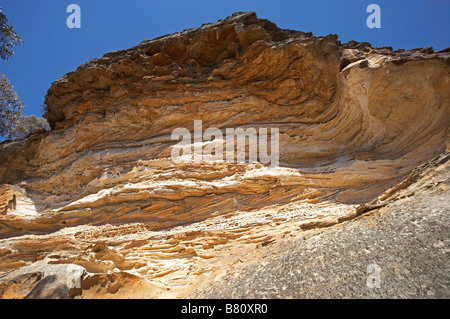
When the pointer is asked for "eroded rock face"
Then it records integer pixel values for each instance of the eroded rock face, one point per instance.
(100, 190)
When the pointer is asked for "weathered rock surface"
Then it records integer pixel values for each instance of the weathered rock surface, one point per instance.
(43, 281)
(100, 189)
(407, 241)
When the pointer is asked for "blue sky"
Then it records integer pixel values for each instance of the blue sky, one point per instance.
(51, 49)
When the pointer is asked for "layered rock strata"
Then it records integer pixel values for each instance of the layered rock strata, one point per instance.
(101, 191)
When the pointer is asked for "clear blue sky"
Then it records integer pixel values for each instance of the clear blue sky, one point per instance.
(50, 49)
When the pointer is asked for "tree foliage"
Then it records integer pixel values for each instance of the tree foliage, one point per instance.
(29, 124)
(8, 37)
(10, 107)
(10, 103)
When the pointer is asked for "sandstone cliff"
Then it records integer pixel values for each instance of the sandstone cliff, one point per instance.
(100, 190)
